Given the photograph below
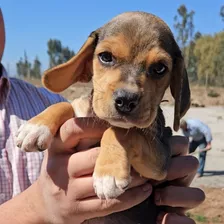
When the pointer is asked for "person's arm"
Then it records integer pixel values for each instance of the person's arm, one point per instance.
(64, 191)
(205, 130)
(24, 208)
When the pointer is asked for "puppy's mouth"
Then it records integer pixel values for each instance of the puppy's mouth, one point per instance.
(121, 122)
(129, 121)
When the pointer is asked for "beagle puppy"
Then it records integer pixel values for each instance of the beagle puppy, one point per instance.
(131, 61)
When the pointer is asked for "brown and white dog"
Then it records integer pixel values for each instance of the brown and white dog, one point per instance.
(131, 60)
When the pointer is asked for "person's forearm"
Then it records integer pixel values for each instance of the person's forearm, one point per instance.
(208, 147)
(207, 133)
(25, 208)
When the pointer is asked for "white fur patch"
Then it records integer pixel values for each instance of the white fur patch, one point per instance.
(32, 137)
(107, 187)
(78, 112)
(121, 124)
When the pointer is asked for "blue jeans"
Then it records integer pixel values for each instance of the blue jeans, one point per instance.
(202, 155)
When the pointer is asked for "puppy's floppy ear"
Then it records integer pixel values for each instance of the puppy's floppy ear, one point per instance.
(180, 90)
(77, 69)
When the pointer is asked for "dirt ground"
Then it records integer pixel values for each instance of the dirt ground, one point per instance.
(211, 111)
(212, 210)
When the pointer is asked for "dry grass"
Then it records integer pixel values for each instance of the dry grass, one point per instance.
(213, 96)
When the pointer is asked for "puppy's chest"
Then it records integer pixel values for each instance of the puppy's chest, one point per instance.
(82, 106)
(158, 130)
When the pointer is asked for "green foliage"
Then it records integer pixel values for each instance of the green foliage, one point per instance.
(209, 51)
(222, 13)
(36, 69)
(203, 219)
(204, 54)
(24, 67)
(198, 218)
(212, 93)
(184, 25)
(58, 54)
(26, 70)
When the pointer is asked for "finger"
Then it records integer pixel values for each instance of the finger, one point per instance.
(127, 200)
(182, 170)
(179, 197)
(179, 145)
(171, 218)
(136, 180)
(82, 163)
(84, 187)
(76, 129)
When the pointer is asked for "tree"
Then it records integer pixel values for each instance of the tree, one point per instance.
(222, 12)
(184, 25)
(209, 51)
(20, 67)
(67, 54)
(36, 69)
(24, 66)
(57, 53)
(26, 70)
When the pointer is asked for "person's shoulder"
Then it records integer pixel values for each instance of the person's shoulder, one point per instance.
(40, 93)
(192, 121)
(195, 122)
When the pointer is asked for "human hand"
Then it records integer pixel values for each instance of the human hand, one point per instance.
(208, 147)
(202, 150)
(175, 196)
(66, 182)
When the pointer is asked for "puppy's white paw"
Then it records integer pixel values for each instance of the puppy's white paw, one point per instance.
(33, 137)
(108, 187)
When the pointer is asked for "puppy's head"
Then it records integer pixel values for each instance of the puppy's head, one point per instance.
(132, 60)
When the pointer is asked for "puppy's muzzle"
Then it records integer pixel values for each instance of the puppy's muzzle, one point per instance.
(125, 102)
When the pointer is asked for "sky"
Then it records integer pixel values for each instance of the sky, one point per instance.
(30, 24)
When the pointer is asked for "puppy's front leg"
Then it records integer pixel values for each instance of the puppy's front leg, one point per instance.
(37, 134)
(112, 169)
(151, 157)
(121, 149)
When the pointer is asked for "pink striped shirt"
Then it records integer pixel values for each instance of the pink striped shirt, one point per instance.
(19, 101)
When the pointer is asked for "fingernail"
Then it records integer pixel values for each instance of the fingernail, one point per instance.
(160, 217)
(147, 187)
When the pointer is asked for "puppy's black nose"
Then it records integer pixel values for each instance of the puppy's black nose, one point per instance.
(125, 102)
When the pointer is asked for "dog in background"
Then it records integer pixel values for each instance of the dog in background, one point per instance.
(131, 60)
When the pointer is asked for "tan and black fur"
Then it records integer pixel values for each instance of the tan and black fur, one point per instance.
(138, 42)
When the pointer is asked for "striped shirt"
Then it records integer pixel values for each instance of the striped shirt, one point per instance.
(19, 101)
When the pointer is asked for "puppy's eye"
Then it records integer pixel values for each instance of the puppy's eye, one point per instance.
(106, 58)
(157, 70)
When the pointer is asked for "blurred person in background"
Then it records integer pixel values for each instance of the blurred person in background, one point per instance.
(201, 137)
